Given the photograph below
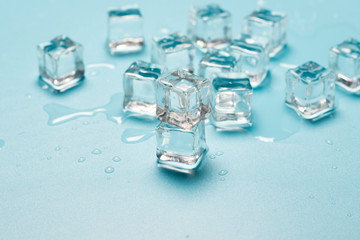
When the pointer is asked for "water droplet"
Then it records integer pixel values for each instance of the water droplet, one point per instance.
(81, 159)
(93, 73)
(219, 153)
(164, 30)
(28, 96)
(57, 148)
(349, 215)
(311, 196)
(223, 172)
(334, 167)
(85, 123)
(109, 170)
(116, 159)
(328, 141)
(212, 156)
(187, 236)
(96, 151)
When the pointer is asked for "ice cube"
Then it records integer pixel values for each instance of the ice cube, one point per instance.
(174, 51)
(180, 149)
(252, 59)
(345, 63)
(216, 61)
(182, 99)
(61, 64)
(139, 86)
(209, 26)
(125, 30)
(267, 25)
(231, 95)
(310, 90)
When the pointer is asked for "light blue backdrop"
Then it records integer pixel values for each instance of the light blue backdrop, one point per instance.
(286, 178)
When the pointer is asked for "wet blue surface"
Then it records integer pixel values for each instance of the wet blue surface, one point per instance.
(284, 178)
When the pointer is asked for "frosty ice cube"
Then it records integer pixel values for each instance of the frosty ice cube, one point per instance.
(231, 95)
(180, 149)
(310, 90)
(216, 61)
(209, 26)
(139, 86)
(182, 99)
(125, 30)
(252, 59)
(60, 63)
(174, 51)
(345, 62)
(267, 25)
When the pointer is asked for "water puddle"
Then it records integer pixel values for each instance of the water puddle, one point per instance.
(133, 135)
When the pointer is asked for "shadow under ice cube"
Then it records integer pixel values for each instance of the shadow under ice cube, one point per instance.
(182, 99)
(139, 84)
(209, 26)
(216, 61)
(267, 25)
(60, 63)
(125, 30)
(180, 149)
(174, 51)
(345, 63)
(310, 90)
(231, 95)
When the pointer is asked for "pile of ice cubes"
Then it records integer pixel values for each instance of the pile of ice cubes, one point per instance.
(182, 95)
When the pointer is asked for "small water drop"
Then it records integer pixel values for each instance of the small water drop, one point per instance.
(29, 96)
(219, 153)
(187, 236)
(57, 148)
(212, 156)
(334, 167)
(311, 196)
(223, 172)
(81, 159)
(85, 123)
(109, 170)
(328, 141)
(96, 151)
(116, 159)
(349, 215)
(93, 73)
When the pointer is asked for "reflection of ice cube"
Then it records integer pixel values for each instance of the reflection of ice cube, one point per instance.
(209, 26)
(310, 90)
(267, 25)
(139, 86)
(231, 101)
(60, 63)
(174, 51)
(345, 62)
(252, 59)
(125, 30)
(180, 149)
(182, 99)
(216, 61)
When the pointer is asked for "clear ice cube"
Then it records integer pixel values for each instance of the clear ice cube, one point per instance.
(231, 95)
(180, 149)
(140, 86)
(216, 61)
(209, 26)
(252, 59)
(125, 30)
(310, 90)
(344, 61)
(61, 64)
(174, 51)
(182, 99)
(267, 25)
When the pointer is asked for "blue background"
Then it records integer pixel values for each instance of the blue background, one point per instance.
(287, 178)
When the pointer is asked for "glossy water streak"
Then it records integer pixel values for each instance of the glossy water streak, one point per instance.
(59, 114)
(134, 135)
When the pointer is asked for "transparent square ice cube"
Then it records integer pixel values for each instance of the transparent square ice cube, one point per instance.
(125, 30)
(61, 64)
(182, 99)
(231, 95)
(209, 26)
(174, 51)
(345, 62)
(139, 84)
(252, 59)
(267, 25)
(180, 149)
(215, 61)
(310, 90)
